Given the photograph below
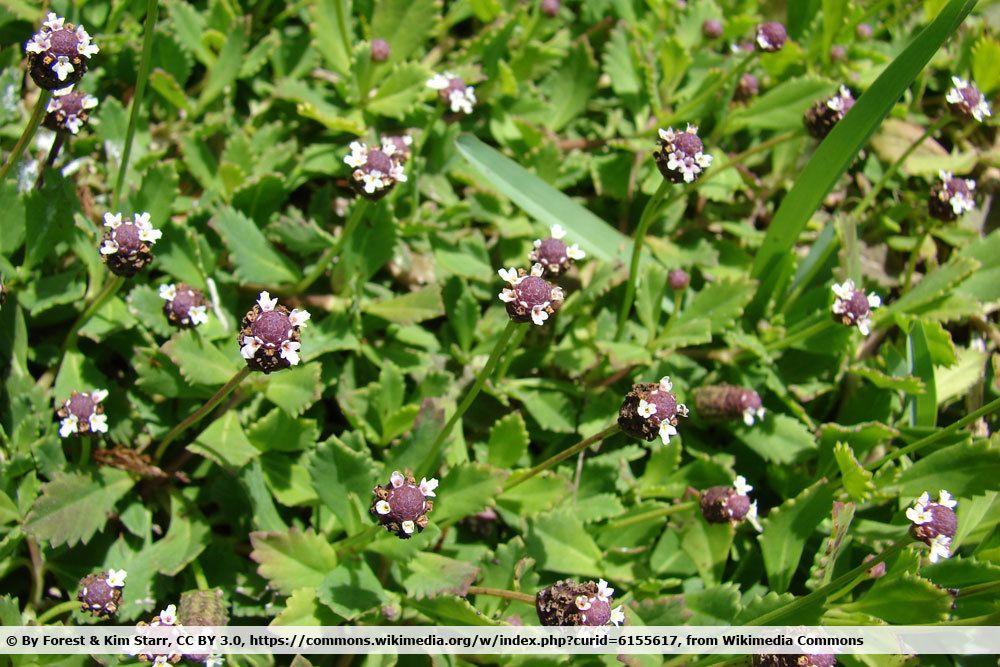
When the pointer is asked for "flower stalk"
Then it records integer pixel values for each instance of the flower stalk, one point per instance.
(28, 134)
(501, 593)
(654, 514)
(198, 414)
(517, 479)
(57, 610)
(335, 250)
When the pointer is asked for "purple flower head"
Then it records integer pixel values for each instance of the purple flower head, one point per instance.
(967, 101)
(678, 279)
(951, 197)
(566, 603)
(402, 505)
(528, 296)
(553, 253)
(101, 594)
(82, 413)
(551, 8)
(747, 88)
(730, 504)
(376, 170)
(824, 114)
(838, 53)
(380, 50)
(185, 306)
(771, 36)
(651, 410)
(68, 110)
(681, 157)
(852, 307)
(712, 29)
(934, 524)
(58, 53)
(726, 401)
(127, 246)
(398, 147)
(863, 31)
(453, 91)
(167, 618)
(269, 336)
(795, 660)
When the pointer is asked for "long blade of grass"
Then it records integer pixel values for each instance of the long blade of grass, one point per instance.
(543, 202)
(840, 148)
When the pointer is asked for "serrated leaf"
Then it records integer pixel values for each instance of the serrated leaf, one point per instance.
(508, 440)
(904, 599)
(907, 383)
(331, 30)
(404, 25)
(336, 471)
(721, 304)
(778, 438)
(74, 506)
(857, 481)
(302, 608)
(826, 558)
(225, 442)
(254, 260)
(430, 575)
(351, 589)
(717, 605)
(772, 601)
(199, 361)
(707, 544)
(400, 91)
(965, 470)
(559, 543)
(786, 530)
(292, 559)
(294, 390)
(472, 487)
(985, 56)
(780, 108)
(226, 67)
(166, 85)
(449, 610)
(424, 304)
(934, 285)
(571, 87)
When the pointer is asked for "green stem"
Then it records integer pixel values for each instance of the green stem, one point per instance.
(992, 406)
(804, 334)
(140, 88)
(109, 290)
(693, 104)
(84, 450)
(894, 167)
(58, 610)
(50, 160)
(645, 220)
(832, 588)
(508, 358)
(978, 589)
(197, 415)
(334, 250)
(501, 593)
(911, 263)
(516, 479)
(37, 114)
(199, 575)
(653, 514)
(477, 386)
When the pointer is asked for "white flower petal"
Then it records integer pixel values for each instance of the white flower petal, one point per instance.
(250, 347)
(112, 220)
(298, 318)
(945, 499)
(666, 384)
(666, 430)
(116, 578)
(574, 252)
(63, 68)
(198, 315)
(109, 247)
(68, 426)
(290, 352)
(508, 275)
(396, 479)
(539, 315)
(751, 516)
(617, 616)
(265, 301)
(408, 527)
(169, 615)
(168, 292)
(558, 232)
(427, 487)
(741, 487)
(382, 507)
(582, 602)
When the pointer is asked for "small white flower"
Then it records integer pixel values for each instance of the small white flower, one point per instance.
(945, 500)
(38, 44)
(98, 423)
(582, 602)
(168, 292)
(666, 430)
(215, 661)
(751, 516)
(169, 615)
(666, 384)
(89, 102)
(265, 301)
(507, 295)
(162, 659)
(398, 173)
(54, 104)
(539, 315)
(142, 220)
(85, 48)
(147, 232)
(509, 275)
(844, 290)
(682, 410)
(919, 515)
(440, 81)
(98, 395)
(604, 592)
(537, 270)
(63, 68)
(396, 479)
(382, 507)
(73, 123)
(617, 616)
(53, 21)
(408, 527)
(741, 487)
(574, 252)
(762, 40)
(109, 247)
(116, 578)
(112, 220)
(462, 100)
(874, 301)
(359, 155)
(864, 325)
(250, 346)
(558, 232)
(427, 487)
(667, 135)
(68, 426)
(298, 318)
(373, 181)
(198, 315)
(940, 548)
(646, 409)
(290, 352)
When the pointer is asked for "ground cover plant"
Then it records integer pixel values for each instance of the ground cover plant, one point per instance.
(490, 312)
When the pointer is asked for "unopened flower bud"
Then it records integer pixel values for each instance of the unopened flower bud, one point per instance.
(678, 279)
(712, 29)
(771, 36)
(551, 8)
(553, 253)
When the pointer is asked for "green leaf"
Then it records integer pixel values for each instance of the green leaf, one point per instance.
(331, 28)
(400, 91)
(199, 361)
(904, 599)
(543, 202)
(777, 438)
(857, 481)
(841, 148)
(302, 608)
(571, 87)
(294, 390)
(619, 65)
(430, 575)
(225, 442)
(292, 559)
(721, 304)
(826, 558)
(404, 24)
(424, 304)
(226, 68)
(933, 286)
(166, 85)
(471, 488)
(351, 589)
(707, 544)
(922, 406)
(786, 530)
(559, 543)
(508, 440)
(965, 470)
(781, 107)
(254, 260)
(337, 471)
(449, 610)
(717, 605)
(74, 506)
(985, 56)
